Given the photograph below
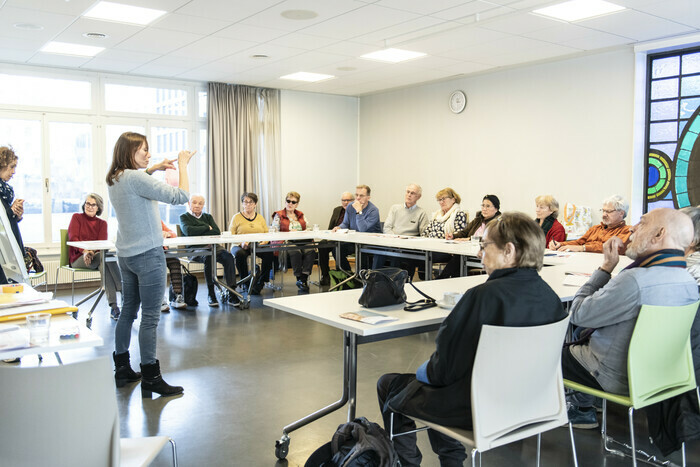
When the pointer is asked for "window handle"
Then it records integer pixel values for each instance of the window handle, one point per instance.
(46, 184)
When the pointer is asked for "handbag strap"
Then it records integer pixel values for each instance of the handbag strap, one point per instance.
(418, 305)
(365, 273)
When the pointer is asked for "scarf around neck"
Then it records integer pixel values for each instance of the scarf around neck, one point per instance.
(547, 223)
(6, 192)
(669, 258)
(447, 219)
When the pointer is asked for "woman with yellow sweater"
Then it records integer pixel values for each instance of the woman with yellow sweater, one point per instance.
(244, 222)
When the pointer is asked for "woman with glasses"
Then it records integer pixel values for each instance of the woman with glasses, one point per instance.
(546, 213)
(449, 218)
(85, 227)
(290, 219)
(490, 209)
(245, 222)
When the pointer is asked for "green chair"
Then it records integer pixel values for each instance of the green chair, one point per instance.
(64, 263)
(659, 365)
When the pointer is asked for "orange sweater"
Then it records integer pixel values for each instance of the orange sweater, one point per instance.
(599, 234)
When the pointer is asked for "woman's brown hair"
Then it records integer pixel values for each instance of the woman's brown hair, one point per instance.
(123, 157)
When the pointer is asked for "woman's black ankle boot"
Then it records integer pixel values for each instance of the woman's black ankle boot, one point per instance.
(122, 370)
(153, 382)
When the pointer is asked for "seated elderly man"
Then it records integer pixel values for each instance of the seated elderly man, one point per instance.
(362, 216)
(512, 251)
(610, 306)
(196, 223)
(324, 249)
(404, 219)
(613, 225)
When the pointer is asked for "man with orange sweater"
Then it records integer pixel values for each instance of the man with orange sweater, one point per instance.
(613, 225)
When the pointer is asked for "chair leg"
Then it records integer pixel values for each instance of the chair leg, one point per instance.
(683, 452)
(474, 452)
(174, 449)
(630, 416)
(573, 445)
(539, 445)
(55, 284)
(72, 288)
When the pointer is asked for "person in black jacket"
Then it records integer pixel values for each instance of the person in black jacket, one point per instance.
(14, 208)
(512, 251)
(324, 251)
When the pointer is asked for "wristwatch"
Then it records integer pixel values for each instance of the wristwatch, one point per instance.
(359, 212)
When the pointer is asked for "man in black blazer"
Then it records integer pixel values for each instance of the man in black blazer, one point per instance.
(324, 251)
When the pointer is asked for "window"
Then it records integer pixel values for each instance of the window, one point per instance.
(64, 128)
(673, 125)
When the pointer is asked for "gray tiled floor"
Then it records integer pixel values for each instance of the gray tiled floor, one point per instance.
(248, 373)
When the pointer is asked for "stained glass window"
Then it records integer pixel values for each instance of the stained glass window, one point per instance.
(673, 126)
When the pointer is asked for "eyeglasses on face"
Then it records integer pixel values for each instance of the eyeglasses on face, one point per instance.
(291, 201)
(440, 200)
(608, 211)
(248, 201)
(487, 206)
(482, 245)
(90, 205)
(360, 195)
(344, 200)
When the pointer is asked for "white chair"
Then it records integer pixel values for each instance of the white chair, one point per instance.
(67, 415)
(517, 388)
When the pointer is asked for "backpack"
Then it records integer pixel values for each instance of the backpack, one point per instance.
(339, 276)
(31, 260)
(359, 443)
(189, 289)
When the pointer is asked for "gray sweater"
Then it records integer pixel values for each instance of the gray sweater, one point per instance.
(612, 306)
(406, 221)
(135, 199)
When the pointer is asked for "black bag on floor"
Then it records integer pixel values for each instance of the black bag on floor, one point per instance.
(189, 289)
(359, 443)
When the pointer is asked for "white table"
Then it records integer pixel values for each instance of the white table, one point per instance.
(103, 246)
(327, 307)
(59, 324)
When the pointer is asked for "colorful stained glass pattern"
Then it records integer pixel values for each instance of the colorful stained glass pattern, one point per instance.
(673, 127)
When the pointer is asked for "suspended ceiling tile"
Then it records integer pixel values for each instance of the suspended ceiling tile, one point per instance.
(152, 69)
(190, 23)
(230, 10)
(303, 41)
(247, 32)
(456, 38)
(115, 66)
(518, 23)
(159, 41)
(348, 48)
(212, 48)
(326, 10)
(116, 32)
(681, 11)
(541, 53)
(635, 25)
(52, 23)
(72, 8)
(369, 18)
(466, 12)
(396, 35)
(421, 7)
(597, 40)
(560, 32)
(137, 58)
(57, 60)
(15, 55)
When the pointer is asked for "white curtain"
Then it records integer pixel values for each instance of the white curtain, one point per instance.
(244, 141)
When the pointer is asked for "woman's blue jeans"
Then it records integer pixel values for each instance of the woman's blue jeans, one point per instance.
(143, 284)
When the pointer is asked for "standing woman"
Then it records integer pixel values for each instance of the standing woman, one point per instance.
(135, 195)
(546, 212)
(14, 208)
(87, 226)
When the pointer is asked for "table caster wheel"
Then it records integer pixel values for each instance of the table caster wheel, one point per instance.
(88, 323)
(245, 305)
(282, 447)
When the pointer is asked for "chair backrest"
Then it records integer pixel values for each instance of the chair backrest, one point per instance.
(517, 388)
(178, 230)
(660, 359)
(62, 415)
(64, 248)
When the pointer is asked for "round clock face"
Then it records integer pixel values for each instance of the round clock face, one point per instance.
(458, 101)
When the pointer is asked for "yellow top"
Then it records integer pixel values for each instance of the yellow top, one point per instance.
(241, 225)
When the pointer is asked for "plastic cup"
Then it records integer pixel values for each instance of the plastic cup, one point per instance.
(38, 325)
(316, 228)
(451, 298)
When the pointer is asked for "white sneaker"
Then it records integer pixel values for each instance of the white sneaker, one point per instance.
(179, 302)
(164, 307)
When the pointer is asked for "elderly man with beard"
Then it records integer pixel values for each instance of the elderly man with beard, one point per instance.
(609, 307)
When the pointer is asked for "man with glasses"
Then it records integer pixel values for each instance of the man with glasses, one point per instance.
(613, 225)
(404, 219)
(361, 216)
(324, 249)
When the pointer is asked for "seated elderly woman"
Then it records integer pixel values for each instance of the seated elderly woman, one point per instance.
(546, 213)
(290, 219)
(87, 226)
(447, 220)
(490, 209)
(692, 253)
(244, 222)
(514, 295)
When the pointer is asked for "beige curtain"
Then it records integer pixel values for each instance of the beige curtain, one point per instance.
(244, 141)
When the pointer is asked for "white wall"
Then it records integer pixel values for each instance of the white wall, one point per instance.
(564, 128)
(319, 150)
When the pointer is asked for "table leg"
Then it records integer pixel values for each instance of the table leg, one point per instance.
(348, 396)
(428, 265)
(244, 302)
(101, 290)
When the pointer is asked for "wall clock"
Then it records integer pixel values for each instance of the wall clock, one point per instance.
(458, 101)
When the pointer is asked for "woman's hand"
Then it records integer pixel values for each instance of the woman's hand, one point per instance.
(88, 256)
(162, 165)
(449, 235)
(18, 208)
(184, 158)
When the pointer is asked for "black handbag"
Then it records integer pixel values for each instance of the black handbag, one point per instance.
(382, 287)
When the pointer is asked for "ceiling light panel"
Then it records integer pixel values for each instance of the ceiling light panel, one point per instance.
(392, 55)
(577, 10)
(65, 48)
(117, 12)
